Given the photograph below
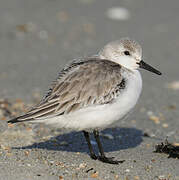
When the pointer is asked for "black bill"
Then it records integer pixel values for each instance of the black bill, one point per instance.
(144, 65)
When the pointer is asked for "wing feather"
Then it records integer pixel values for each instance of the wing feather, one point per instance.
(81, 84)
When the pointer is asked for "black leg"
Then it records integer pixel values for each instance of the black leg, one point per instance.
(96, 135)
(103, 158)
(87, 137)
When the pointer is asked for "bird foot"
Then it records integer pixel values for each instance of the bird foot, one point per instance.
(93, 156)
(109, 160)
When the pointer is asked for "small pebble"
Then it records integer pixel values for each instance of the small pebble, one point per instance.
(173, 107)
(136, 178)
(155, 119)
(165, 125)
(61, 178)
(31, 27)
(94, 175)
(43, 35)
(161, 177)
(82, 165)
(173, 85)
(26, 153)
(51, 162)
(176, 144)
(118, 13)
(150, 113)
(146, 134)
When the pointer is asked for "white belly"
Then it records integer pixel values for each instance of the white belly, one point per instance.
(102, 116)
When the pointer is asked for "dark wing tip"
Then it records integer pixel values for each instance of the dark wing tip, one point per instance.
(12, 121)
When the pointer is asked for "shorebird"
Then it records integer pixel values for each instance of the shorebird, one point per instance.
(93, 93)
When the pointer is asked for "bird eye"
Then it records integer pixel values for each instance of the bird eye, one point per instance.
(127, 53)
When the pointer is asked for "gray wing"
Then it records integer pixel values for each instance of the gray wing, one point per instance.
(81, 84)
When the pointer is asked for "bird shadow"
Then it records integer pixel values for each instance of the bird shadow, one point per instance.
(122, 138)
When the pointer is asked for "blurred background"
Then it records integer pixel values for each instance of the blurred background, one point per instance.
(38, 37)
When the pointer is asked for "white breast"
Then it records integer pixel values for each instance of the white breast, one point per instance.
(103, 116)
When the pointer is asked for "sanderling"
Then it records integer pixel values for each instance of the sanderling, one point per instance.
(91, 94)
